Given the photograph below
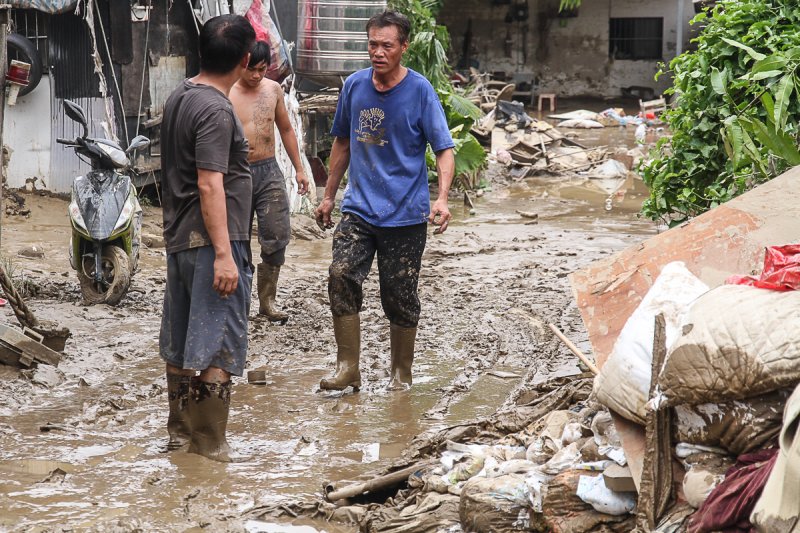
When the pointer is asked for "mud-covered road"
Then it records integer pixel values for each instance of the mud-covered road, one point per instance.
(81, 446)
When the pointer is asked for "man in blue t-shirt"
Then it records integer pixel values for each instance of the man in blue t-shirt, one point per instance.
(385, 119)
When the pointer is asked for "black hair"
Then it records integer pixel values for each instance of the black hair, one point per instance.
(391, 18)
(258, 53)
(224, 41)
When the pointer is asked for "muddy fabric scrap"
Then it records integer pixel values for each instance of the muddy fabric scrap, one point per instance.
(778, 509)
(740, 426)
(728, 507)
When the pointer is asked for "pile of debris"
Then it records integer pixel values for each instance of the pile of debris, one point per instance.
(530, 146)
(690, 423)
(553, 460)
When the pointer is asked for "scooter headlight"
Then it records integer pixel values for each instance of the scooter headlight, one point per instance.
(75, 215)
(127, 212)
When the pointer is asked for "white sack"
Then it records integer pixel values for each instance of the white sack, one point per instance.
(623, 384)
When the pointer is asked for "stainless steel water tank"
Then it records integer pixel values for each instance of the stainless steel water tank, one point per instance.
(331, 38)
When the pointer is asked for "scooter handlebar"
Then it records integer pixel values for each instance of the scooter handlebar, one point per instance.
(59, 140)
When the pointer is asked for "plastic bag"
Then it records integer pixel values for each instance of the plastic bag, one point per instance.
(593, 491)
(267, 31)
(781, 270)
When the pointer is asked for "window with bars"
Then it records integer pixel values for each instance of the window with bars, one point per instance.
(636, 38)
(35, 26)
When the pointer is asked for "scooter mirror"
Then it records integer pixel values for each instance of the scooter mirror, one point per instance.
(75, 112)
(137, 143)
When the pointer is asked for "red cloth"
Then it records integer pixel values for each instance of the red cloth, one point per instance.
(781, 270)
(727, 509)
(254, 15)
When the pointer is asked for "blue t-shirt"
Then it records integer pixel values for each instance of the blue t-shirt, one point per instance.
(389, 133)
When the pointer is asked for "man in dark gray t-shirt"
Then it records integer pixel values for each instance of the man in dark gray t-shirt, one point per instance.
(206, 203)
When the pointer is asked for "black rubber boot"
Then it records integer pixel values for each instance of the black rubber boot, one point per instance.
(208, 413)
(402, 345)
(347, 331)
(178, 425)
(267, 283)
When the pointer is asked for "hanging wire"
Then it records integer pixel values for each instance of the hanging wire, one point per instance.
(113, 72)
(144, 66)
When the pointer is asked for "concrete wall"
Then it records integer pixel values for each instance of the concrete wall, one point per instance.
(26, 133)
(569, 55)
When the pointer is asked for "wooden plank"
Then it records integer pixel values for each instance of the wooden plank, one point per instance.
(655, 492)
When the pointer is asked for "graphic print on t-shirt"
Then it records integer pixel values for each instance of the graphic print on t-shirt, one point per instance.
(369, 130)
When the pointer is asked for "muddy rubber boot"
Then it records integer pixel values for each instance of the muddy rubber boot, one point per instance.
(347, 331)
(178, 425)
(402, 346)
(267, 282)
(208, 414)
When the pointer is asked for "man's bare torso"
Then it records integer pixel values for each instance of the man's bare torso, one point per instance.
(256, 111)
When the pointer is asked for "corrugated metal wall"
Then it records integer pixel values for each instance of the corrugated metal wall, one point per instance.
(73, 78)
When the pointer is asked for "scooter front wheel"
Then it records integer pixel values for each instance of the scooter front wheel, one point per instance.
(116, 277)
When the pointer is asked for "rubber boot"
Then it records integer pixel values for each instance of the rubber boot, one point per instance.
(347, 331)
(267, 282)
(402, 346)
(208, 414)
(178, 425)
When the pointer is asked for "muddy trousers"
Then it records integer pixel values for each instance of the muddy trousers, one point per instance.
(399, 251)
(271, 208)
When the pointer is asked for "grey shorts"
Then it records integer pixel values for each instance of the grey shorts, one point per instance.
(200, 329)
(271, 209)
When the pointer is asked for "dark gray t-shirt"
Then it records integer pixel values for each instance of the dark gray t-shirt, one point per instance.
(200, 130)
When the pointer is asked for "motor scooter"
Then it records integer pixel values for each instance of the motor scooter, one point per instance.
(105, 214)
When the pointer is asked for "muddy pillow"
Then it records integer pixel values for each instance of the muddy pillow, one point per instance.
(738, 342)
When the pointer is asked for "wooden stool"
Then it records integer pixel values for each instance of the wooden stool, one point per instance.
(548, 96)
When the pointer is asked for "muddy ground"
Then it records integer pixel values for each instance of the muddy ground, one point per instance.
(81, 446)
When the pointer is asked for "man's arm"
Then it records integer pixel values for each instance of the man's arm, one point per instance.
(215, 217)
(289, 140)
(445, 168)
(339, 161)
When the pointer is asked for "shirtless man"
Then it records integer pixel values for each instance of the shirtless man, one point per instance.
(258, 102)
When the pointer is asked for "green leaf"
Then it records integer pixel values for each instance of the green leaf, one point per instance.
(769, 106)
(777, 142)
(717, 81)
(764, 75)
(773, 62)
(782, 96)
(752, 53)
(469, 155)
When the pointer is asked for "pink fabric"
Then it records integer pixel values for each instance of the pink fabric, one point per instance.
(255, 16)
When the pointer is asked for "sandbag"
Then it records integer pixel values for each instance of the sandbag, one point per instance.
(778, 509)
(623, 384)
(495, 505)
(738, 342)
(739, 426)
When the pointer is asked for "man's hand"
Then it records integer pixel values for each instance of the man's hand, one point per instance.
(302, 183)
(440, 216)
(226, 275)
(323, 214)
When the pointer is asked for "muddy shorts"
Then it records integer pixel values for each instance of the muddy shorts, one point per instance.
(399, 251)
(199, 328)
(271, 207)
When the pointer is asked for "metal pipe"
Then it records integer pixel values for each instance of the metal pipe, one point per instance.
(679, 44)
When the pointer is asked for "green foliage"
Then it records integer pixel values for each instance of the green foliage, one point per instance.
(427, 54)
(736, 119)
(568, 4)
